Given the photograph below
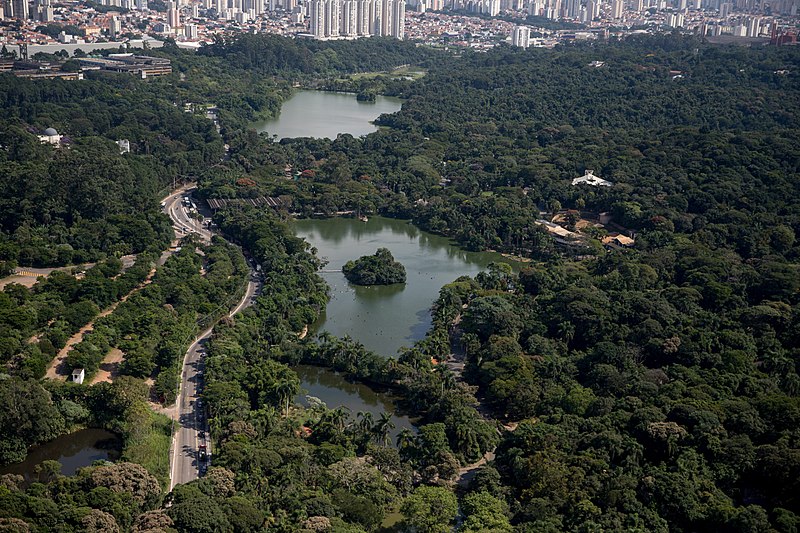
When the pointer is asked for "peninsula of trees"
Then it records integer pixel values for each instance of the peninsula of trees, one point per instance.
(377, 269)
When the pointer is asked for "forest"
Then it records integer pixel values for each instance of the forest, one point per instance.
(644, 388)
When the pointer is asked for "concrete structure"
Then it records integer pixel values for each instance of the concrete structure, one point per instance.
(143, 66)
(78, 375)
(51, 136)
(590, 179)
(334, 19)
(521, 37)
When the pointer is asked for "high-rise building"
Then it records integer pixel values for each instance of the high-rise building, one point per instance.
(521, 37)
(190, 31)
(141, 5)
(725, 9)
(592, 9)
(19, 9)
(115, 27)
(398, 26)
(572, 8)
(349, 25)
(616, 9)
(173, 19)
(753, 27)
(353, 18)
(675, 20)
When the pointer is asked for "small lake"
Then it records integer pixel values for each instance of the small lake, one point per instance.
(333, 389)
(323, 114)
(384, 318)
(73, 451)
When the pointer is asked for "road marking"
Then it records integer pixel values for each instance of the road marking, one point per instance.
(28, 273)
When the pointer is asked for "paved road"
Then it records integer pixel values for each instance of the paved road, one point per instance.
(181, 221)
(186, 463)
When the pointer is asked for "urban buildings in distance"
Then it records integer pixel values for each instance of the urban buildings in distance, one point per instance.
(333, 19)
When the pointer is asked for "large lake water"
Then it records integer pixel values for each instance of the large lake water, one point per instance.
(323, 114)
(384, 318)
(73, 451)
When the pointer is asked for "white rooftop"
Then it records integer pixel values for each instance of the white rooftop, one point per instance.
(590, 179)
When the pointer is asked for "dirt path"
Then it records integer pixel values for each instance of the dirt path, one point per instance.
(466, 473)
(58, 368)
(109, 368)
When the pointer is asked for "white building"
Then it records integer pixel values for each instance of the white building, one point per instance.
(590, 179)
(78, 375)
(521, 37)
(50, 136)
(616, 9)
(332, 19)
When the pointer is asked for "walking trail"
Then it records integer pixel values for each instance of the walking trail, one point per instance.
(58, 368)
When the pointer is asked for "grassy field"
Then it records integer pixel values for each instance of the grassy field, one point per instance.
(149, 446)
(406, 71)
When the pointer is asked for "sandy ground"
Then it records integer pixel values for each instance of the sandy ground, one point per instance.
(28, 281)
(109, 368)
(58, 368)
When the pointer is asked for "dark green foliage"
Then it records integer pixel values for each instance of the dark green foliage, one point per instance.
(90, 200)
(272, 54)
(28, 416)
(378, 269)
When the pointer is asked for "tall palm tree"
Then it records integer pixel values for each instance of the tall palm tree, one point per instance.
(405, 439)
(382, 428)
(364, 421)
(338, 417)
(285, 389)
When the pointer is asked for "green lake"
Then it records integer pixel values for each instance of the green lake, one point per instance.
(73, 451)
(323, 114)
(384, 318)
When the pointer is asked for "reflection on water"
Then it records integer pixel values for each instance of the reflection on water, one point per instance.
(388, 317)
(73, 451)
(323, 114)
(333, 389)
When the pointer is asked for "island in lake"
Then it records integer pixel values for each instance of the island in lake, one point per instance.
(378, 269)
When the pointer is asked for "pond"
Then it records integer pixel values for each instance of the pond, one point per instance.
(73, 451)
(384, 318)
(333, 389)
(323, 114)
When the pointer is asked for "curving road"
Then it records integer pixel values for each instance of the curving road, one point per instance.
(186, 461)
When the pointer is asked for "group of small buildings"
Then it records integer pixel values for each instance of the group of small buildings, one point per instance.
(615, 239)
(137, 65)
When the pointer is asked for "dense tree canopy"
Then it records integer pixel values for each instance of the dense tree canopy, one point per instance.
(652, 387)
(377, 269)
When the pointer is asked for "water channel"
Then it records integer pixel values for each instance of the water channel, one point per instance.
(322, 114)
(73, 451)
